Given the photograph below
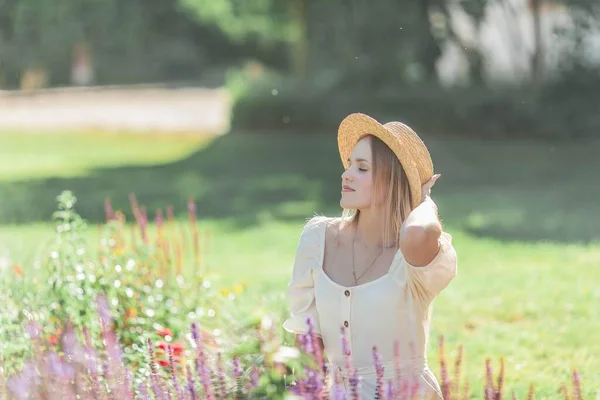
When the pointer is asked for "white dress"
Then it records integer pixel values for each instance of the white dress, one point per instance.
(394, 307)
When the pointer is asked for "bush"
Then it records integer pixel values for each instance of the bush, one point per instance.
(564, 109)
(140, 274)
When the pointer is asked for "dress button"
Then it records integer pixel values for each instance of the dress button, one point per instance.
(346, 324)
(347, 293)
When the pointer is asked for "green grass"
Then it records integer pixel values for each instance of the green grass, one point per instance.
(524, 217)
(74, 154)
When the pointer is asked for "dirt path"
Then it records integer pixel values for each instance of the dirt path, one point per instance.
(136, 109)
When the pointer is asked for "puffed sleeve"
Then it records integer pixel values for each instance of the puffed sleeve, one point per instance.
(428, 281)
(301, 291)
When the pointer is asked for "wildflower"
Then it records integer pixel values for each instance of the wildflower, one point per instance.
(190, 387)
(221, 387)
(165, 332)
(201, 367)
(108, 210)
(176, 386)
(162, 362)
(130, 313)
(379, 370)
(18, 270)
(238, 288)
(177, 347)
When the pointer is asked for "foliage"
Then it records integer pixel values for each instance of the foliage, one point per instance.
(267, 19)
(263, 369)
(560, 109)
(141, 279)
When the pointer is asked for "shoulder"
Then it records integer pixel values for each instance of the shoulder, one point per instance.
(320, 221)
(318, 225)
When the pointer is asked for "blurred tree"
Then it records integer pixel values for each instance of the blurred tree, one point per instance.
(476, 9)
(430, 48)
(43, 33)
(266, 22)
(267, 19)
(375, 45)
(302, 43)
(128, 41)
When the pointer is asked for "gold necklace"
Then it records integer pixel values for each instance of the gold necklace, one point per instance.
(368, 268)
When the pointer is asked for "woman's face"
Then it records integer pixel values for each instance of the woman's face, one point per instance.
(357, 179)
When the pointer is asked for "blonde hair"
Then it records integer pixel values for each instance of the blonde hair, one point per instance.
(391, 193)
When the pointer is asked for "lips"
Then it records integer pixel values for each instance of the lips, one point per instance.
(347, 188)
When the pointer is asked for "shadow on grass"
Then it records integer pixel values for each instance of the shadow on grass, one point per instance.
(508, 191)
(241, 178)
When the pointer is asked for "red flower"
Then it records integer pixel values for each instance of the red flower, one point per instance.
(53, 339)
(165, 332)
(163, 363)
(177, 347)
(162, 345)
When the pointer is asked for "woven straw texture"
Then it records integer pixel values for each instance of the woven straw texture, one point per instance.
(404, 142)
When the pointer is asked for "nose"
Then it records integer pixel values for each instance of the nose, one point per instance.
(347, 175)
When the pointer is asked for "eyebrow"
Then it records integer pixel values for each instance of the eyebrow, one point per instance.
(360, 160)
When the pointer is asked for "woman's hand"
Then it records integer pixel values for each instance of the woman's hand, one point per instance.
(426, 188)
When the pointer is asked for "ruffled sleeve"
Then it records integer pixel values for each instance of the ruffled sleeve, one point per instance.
(301, 291)
(428, 281)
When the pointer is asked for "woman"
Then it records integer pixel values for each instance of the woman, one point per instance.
(375, 271)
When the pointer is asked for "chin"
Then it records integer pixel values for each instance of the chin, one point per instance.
(348, 205)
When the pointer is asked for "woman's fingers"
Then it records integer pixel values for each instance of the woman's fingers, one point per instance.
(429, 184)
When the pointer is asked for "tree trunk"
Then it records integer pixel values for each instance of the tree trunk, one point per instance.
(473, 53)
(429, 51)
(301, 46)
(537, 59)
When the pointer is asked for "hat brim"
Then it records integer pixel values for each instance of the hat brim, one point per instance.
(401, 139)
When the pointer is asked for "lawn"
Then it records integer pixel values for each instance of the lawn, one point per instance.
(524, 217)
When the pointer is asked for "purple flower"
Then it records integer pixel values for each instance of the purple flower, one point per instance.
(389, 394)
(143, 221)
(315, 349)
(190, 387)
(201, 368)
(143, 391)
(176, 386)
(108, 209)
(236, 367)
(103, 310)
(57, 369)
(339, 392)
(255, 376)
(221, 377)
(353, 379)
(21, 386)
(379, 372)
(33, 330)
(154, 381)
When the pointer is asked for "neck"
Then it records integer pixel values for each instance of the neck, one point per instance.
(370, 229)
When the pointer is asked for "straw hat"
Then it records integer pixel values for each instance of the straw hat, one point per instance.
(404, 142)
